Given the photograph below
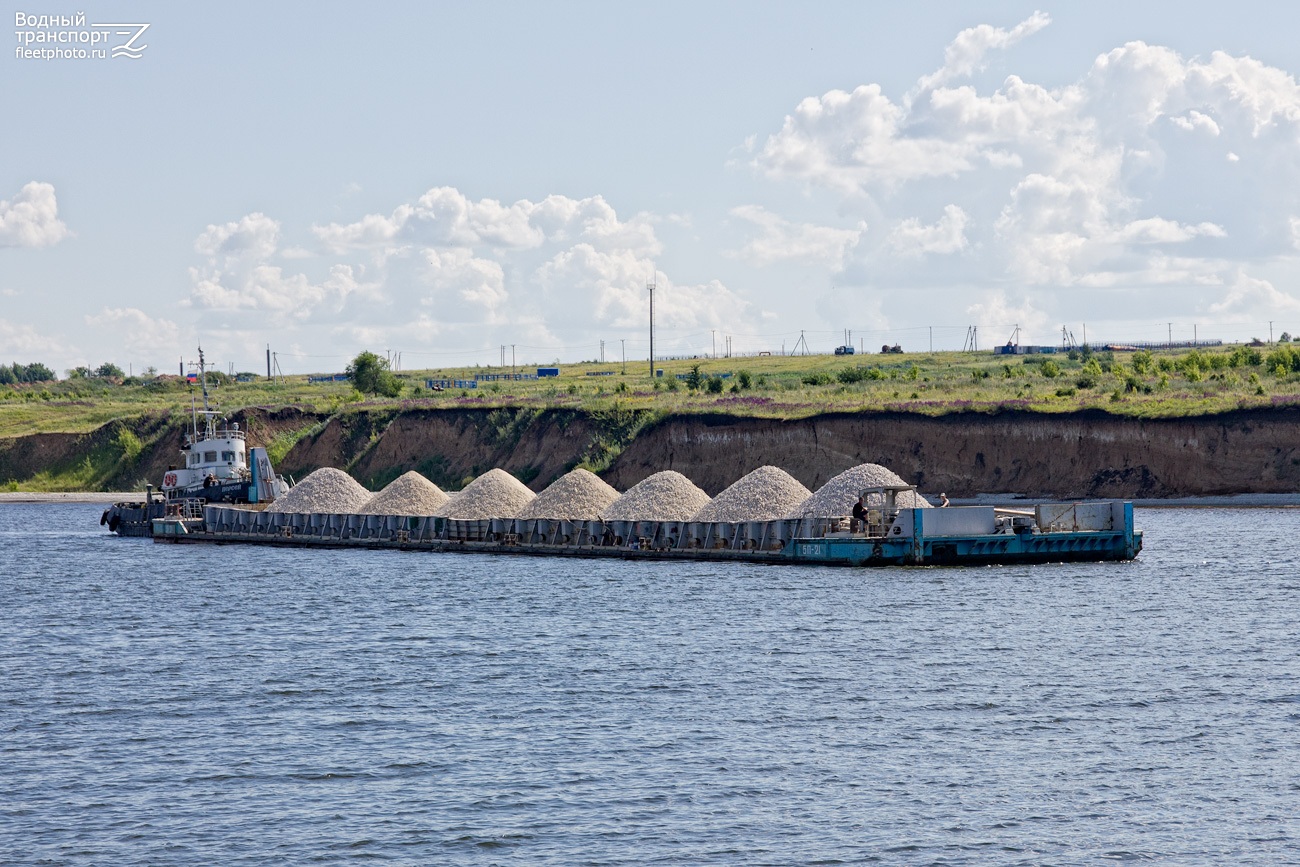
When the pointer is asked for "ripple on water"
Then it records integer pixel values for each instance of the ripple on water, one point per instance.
(181, 704)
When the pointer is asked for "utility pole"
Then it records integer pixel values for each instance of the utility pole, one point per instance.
(512, 359)
(623, 343)
(268, 362)
(714, 354)
(1169, 344)
(1270, 332)
(651, 287)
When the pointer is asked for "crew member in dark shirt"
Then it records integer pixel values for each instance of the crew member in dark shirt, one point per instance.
(860, 515)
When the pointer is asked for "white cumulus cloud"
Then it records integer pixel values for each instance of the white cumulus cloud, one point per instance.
(23, 339)
(134, 329)
(31, 218)
(966, 53)
(550, 271)
(996, 311)
(1091, 183)
(781, 240)
(912, 239)
(1251, 299)
(239, 276)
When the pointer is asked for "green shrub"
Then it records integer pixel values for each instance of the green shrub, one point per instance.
(695, 379)
(1245, 356)
(129, 443)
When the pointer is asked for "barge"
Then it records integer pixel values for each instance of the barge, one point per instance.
(890, 535)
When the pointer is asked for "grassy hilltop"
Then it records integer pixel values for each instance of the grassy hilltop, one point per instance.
(129, 418)
(1146, 384)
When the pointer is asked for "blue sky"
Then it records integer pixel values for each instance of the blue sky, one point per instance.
(442, 179)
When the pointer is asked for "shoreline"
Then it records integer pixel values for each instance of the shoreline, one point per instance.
(29, 497)
(1230, 501)
(1249, 501)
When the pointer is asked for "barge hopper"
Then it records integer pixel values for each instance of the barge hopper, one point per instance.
(959, 535)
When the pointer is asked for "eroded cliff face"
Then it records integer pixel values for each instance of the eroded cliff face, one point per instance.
(450, 447)
(1080, 455)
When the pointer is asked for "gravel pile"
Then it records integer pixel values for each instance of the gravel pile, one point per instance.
(580, 495)
(408, 494)
(836, 497)
(765, 494)
(495, 494)
(326, 491)
(665, 496)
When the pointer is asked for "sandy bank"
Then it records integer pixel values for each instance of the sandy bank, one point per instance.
(71, 497)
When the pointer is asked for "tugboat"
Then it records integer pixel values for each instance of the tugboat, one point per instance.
(216, 467)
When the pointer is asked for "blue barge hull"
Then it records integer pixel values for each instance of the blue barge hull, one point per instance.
(915, 537)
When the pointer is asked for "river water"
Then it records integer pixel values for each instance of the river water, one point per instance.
(237, 705)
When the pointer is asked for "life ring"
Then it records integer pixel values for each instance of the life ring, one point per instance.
(169, 480)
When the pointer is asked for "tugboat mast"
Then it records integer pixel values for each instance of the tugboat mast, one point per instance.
(203, 380)
(209, 426)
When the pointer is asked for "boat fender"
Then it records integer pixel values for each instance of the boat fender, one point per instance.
(103, 519)
(876, 551)
(113, 522)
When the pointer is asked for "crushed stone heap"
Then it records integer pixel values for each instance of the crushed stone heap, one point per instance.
(665, 496)
(766, 494)
(836, 497)
(495, 494)
(579, 495)
(408, 494)
(326, 491)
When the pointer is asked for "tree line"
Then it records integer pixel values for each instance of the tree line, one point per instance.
(12, 374)
(34, 372)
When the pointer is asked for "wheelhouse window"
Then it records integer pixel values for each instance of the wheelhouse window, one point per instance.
(194, 460)
(228, 457)
(210, 457)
